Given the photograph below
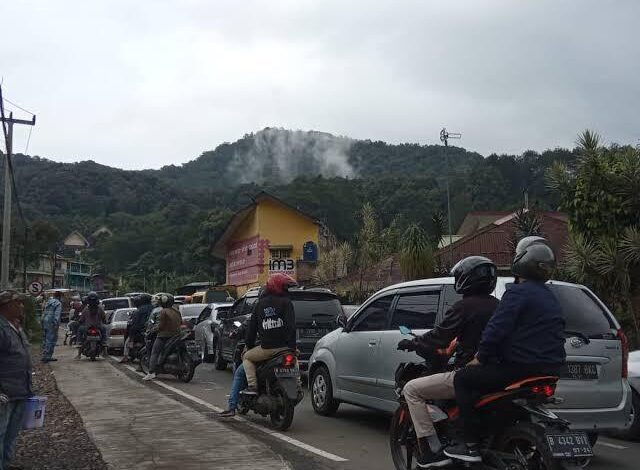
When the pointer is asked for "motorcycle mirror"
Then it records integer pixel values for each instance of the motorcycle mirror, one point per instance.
(237, 324)
(405, 330)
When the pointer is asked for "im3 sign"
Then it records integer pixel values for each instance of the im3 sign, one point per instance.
(285, 265)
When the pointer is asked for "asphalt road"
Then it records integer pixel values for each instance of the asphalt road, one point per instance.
(358, 435)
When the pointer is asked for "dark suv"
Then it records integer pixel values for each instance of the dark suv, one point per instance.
(316, 311)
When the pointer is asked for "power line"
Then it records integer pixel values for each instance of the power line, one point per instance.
(18, 106)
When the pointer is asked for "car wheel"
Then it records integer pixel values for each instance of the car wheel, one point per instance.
(205, 356)
(633, 432)
(322, 393)
(220, 363)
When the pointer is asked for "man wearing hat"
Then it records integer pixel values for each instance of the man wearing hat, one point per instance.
(15, 373)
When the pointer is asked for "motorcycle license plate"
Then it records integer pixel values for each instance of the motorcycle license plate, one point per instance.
(569, 445)
(287, 372)
(93, 338)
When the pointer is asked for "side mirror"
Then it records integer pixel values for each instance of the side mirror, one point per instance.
(342, 320)
(406, 331)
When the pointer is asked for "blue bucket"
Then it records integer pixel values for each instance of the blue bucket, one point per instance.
(34, 412)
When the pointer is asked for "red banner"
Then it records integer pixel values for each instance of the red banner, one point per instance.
(245, 260)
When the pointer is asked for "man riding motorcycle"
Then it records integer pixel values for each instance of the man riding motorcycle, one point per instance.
(169, 324)
(475, 278)
(274, 320)
(92, 315)
(524, 338)
(137, 323)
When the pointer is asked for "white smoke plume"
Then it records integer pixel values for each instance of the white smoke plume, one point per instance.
(281, 155)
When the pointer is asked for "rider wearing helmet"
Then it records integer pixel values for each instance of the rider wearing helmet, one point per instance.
(169, 324)
(274, 320)
(524, 338)
(137, 322)
(92, 315)
(475, 278)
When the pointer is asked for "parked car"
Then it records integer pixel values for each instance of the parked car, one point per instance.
(633, 431)
(206, 324)
(191, 312)
(117, 327)
(134, 294)
(316, 312)
(356, 364)
(112, 304)
(212, 295)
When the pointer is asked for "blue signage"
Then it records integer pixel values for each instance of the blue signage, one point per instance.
(310, 252)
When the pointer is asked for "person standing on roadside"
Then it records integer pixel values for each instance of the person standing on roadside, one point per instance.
(50, 323)
(15, 373)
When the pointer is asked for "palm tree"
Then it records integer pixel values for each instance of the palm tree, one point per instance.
(416, 254)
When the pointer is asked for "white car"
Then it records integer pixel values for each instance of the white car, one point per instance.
(206, 324)
(357, 363)
(117, 327)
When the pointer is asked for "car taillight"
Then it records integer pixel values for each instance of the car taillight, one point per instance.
(546, 390)
(117, 331)
(185, 325)
(624, 343)
(288, 360)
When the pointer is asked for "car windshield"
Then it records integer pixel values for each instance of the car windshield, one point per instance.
(320, 309)
(113, 304)
(122, 315)
(216, 296)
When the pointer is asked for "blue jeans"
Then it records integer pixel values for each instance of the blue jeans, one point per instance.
(49, 336)
(239, 384)
(11, 416)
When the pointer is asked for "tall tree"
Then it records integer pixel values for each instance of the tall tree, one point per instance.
(416, 254)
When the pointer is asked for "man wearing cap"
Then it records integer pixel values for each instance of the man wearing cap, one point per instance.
(15, 373)
(50, 324)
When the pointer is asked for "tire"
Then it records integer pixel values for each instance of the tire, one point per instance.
(402, 440)
(205, 355)
(281, 418)
(529, 438)
(190, 368)
(219, 361)
(633, 432)
(322, 393)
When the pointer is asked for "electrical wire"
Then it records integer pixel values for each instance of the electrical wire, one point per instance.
(18, 106)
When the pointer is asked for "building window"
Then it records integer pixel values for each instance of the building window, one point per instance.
(280, 253)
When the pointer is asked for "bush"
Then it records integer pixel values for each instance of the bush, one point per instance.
(32, 320)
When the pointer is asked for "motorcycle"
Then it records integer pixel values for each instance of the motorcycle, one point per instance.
(279, 390)
(175, 359)
(92, 344)
(71, 333)
(521, 433)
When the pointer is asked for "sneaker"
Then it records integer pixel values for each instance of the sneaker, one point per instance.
(226, 414)
(463, 452)
(124, 360)
(250, 391)
(149, 377)
(431, 460)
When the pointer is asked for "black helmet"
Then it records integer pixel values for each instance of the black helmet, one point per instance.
(144, 299)
(475, 275)
(165, 300)
(92, 299)
(534, 259)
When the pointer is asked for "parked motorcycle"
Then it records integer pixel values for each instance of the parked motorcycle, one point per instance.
(71, 333)
(279, 390)
(521, 433)
(92, 344)
(175, 359)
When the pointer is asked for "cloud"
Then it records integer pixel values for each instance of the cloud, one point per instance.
(148, 83)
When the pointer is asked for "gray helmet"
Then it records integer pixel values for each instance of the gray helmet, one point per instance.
(534, 259)
(166, 300)
(92, 299)
(475, 275)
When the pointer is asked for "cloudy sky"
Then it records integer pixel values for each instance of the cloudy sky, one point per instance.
(145, 83)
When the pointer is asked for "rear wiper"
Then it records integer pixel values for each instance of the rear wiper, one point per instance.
(582, 336)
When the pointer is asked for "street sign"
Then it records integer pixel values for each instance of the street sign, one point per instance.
(35, 288)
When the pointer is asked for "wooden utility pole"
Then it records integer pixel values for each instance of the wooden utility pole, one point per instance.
(7, 128)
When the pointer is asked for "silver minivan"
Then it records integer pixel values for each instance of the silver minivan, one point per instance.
(356, 364)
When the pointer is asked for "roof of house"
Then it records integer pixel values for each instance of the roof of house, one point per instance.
(220, 244)
(476, 220)
(78, 235)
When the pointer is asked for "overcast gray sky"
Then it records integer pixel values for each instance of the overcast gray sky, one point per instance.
(146, 83)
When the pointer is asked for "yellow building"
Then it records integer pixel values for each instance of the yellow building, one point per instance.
(269, 236)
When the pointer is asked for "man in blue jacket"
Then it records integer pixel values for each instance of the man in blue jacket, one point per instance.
(524, 338)
(50, 324)
(15, 373)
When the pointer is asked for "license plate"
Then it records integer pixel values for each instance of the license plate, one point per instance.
(581, 371)
(287, 372)
(313, 332)
(93, 338)
(569, 445)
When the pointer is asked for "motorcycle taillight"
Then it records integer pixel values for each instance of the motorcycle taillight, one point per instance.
(546, 390)
(288, 360)
(92, 332)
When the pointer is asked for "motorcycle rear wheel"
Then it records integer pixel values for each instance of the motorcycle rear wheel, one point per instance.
(282, 417)
(529, 439)
(402, 440)
(188, 369)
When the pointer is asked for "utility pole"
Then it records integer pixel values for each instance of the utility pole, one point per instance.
(7, 128)
(444, 137)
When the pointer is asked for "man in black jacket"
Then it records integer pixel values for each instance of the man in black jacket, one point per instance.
(524, 338)
(137, 323)
(274, 320)
(475, 278)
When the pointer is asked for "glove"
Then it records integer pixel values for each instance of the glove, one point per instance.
(406, 345)
(3, 399)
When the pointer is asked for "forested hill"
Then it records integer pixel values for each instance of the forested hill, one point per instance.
(165, 219)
